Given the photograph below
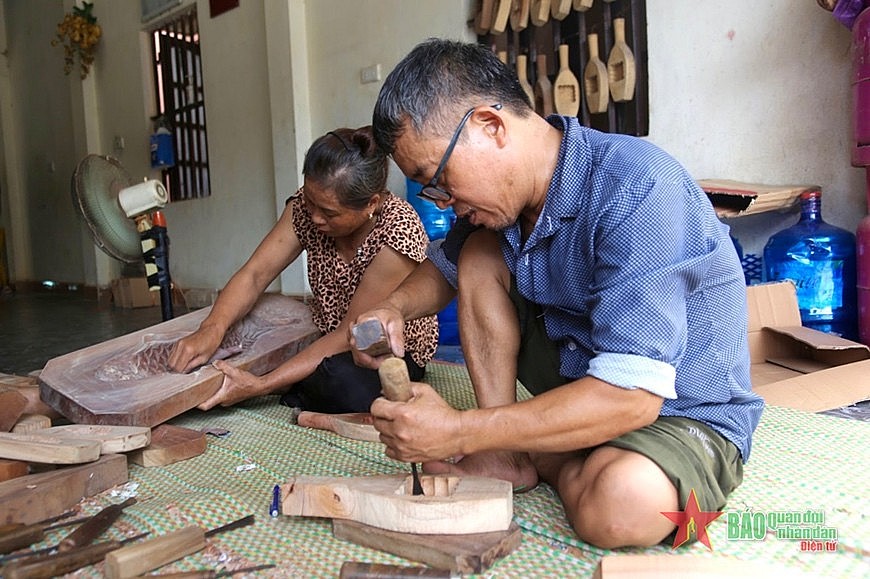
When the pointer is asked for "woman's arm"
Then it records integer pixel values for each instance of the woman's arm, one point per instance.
(276, 251)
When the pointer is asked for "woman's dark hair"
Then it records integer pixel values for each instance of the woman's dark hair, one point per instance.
(436, 83)
(349, 162)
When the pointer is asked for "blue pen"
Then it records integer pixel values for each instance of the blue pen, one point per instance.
(275, 508)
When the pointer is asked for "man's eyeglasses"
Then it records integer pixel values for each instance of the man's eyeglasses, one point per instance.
(432, 191)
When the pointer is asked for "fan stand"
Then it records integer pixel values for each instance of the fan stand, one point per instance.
(155, 251)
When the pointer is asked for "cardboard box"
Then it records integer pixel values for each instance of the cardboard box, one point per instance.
(736, 198)
(133, 292)
(795, 366)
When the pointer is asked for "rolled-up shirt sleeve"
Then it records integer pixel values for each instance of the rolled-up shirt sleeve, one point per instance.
(635, 372)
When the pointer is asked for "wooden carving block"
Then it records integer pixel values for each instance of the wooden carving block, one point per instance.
(12, 405)
(28, 386)
(354, 425)
(112, 439)
(10, 469)
(125, 381)
(472, 553)
(36, 497)
(449, 505)
(169, 444)
(31, 423)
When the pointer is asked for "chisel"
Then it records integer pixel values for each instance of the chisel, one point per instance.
(212, 574)
(396, 386)
(43, 567)
(90, 529)
(18, 536)
(135, 560)
(360, 570)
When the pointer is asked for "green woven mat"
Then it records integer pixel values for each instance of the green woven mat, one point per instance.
(801, 462)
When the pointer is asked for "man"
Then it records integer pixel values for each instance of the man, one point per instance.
(591, 267)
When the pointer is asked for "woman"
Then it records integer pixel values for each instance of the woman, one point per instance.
(362, 241)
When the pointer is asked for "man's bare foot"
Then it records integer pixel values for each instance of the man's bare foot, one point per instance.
(516, 468)
(549, 465)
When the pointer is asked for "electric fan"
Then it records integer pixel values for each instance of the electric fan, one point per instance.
(118, 215)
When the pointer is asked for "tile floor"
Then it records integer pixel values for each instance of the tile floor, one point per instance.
(38, 326)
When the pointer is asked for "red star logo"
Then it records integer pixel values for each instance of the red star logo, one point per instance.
(692, 520)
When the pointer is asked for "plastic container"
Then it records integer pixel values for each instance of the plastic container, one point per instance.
(861, 158)
(437, 223)
(820, 259)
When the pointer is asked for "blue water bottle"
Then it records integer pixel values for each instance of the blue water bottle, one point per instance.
(820, 259)
(437, 223)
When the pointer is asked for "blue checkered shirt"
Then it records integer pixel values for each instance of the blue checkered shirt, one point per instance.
(638, 280)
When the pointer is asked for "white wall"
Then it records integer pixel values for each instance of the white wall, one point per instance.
(754, 90)
(757, 91)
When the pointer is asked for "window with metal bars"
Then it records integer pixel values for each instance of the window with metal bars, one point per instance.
(181, 104)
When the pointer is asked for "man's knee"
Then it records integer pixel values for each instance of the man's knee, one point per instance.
(623, 496)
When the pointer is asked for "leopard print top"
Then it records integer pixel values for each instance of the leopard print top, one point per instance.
(334, 281)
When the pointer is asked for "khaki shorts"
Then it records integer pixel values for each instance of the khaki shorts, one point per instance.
(691, 454)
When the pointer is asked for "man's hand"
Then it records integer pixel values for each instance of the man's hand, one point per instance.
(394, 328)
(424, 428)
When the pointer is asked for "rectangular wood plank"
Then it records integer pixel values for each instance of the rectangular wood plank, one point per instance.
(47, 449)
(36, 497)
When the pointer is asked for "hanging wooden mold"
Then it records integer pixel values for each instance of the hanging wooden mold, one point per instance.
(620, 65)
(566, 89)
(543, 89)
(595, 79)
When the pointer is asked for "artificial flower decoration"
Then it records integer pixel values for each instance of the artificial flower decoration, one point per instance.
(79, 35)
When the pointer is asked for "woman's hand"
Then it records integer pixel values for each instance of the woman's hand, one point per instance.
(194, 350)
(237, 385)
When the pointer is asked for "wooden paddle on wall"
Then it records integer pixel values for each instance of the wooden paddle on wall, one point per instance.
(566, 91)
(522, 75)
(559, 9)
(500, 17)
(539, 12)
(543, 88)
(483, 18)
(620, 65)
(595, 79)
(519, 17)
(582, 5)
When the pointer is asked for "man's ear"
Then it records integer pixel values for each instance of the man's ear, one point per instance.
(493, 123)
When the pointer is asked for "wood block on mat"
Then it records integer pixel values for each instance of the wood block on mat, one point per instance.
(31, 423)
(47, 449)
(449, 505)
(36, 497)
(16, 380)
(112, 439)
(12, 405)
(169, 444)
(473, 553)
(354, 425)
(10, 469)
(125, 381)
(28, 386)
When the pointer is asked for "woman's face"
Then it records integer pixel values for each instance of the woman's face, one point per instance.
(329, 216)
